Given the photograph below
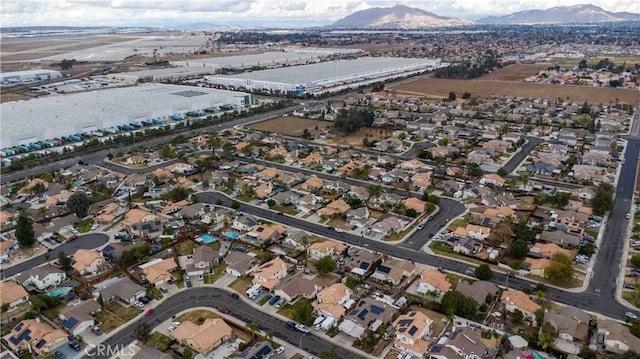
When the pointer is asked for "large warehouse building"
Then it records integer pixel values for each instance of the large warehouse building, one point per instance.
(19, 77)
(25, 122)
(326, 76)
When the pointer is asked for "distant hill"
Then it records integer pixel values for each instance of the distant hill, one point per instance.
(584, 13)
(397, 17)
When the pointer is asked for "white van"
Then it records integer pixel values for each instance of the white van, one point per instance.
(254, 291)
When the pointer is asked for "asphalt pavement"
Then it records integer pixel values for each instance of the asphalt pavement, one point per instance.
(84, 241)
(214, 297)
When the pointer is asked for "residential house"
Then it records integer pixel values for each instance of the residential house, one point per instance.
(617, 337)
(569, 329)
(35, 337)
(515, 299)
(12, 293)
(42, 278)
(415, 204)
(201, 261)
(412, 331)
(560, 238)
(360, 261)
(333, 300)
(205, 337)
(385, 200)
(421, 181)
(76, 318)
(295, 287)
(537, 266)
(479, 290)
(243, 223)
(463, 343)
(413, 165)
(336, 207)
(476, 232)
(358, 217)
(151, 353)
(136, 218)
(89, 262)
(308, 203)
(313, 184)
(239, 264)
(269, 274)
(548, 250)
(322, 249)
(388, 225)
(394, 271)
(118, 289)
(259, 350)
(285, 198)
(6, 249)
(492, 179)
(334, 187)
(159, 271)
(433, 283)
(367, 314)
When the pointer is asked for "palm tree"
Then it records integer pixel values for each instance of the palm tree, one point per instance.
(541, 296)
(253, 327)
(547, 341)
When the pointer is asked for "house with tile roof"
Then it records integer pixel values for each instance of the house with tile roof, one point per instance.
(322, 249)
(515, 299)
(159, 271)
(368, 313)
(479, 290)
(433, 282)
(35, 337)
(202, 338)
(548, 250)
(463, 343)
(12, 293)
(312, 184)
(269, 274)
(411, 333)
(338, 206)
(295, 287)
(416, 204)
(617, 337)
(394, 271)
(89, 262)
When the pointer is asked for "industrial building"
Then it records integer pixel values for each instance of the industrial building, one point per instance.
(328, 76)
(169, 73)
(20, 77)
(48, 118)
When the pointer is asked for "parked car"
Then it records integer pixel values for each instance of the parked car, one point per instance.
(631, 315)
(274, 299)
(280, 350)
(72, 238)
(149, 312)
(628, 215)
(442, 270)
(291, 324)
(629, 286)
(174, 326)
(163, 289)
(144, 299)
(138, 304)
(235, 296)
(280, 303)
(223, 310)
(303, 328)
(96, 330)
(420, 226)
(60, 355)
(75, 346)
(339, 230)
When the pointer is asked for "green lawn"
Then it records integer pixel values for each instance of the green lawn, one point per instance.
(592, 233)
(177, 274)
(632, 298)
(108, 322)
(291, 310)
(290, 209)
(337, 223)
(84, 226)
(398, 236)
(155, 293)
(122, 312)
(159, 341)
(460, 222)
(241, 284)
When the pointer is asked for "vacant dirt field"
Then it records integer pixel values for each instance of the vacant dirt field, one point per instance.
(290, 125)
(355, 139)
(440, 88)
(516, 72)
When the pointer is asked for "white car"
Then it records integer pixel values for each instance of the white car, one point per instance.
(628, 216)
(339, 230)
(631, 315)
(280, 350)
(74, 230)
(94, 227)
(138, 304)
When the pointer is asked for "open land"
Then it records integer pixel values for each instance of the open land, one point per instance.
(290, 125)
(515, 72)
(491, 86)
(355, 139)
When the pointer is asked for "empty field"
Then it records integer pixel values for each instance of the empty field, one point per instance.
(516, 72)
(290, 125)
(440, 88)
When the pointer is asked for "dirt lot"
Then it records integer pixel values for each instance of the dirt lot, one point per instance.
(515, 72)
(485, 87)
(290, 125)
(355, 139)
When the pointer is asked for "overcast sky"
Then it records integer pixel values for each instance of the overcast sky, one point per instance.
(282, 13)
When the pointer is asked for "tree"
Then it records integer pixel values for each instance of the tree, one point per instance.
(176, 194)
(484, 272)
(24, 231)
(253, 327)
(582, 64)
(5, 307)
(452, 96)
(142, 332)
(374, 190)
(560, 270)
(502, 172)
(326, 264)
(539, 316)
(78, 203)
(586, 353)
(590, 249)
(443, 141)
(235, 204)
(602, 200)
(228, 150)
(466, 95)
(410, 212)
(187, 353)
(456, 303)
(518, 316)
(547, 340)
(518, 249)
(474, 170)
(64, 261)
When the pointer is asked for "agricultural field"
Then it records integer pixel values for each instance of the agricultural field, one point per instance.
(485, 87)
(291, 125)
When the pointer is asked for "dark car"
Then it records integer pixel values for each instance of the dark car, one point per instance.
(223, 310)
(629, 286)
(60, 355)
(290, 324)
(71, 239)
(235, 296)
(442, 270)
(274, 300)
(188, 282)
(75, 346)
(144, 299)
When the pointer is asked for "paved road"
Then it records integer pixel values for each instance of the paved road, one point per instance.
(98, 157)
(85, 241)
(214, 297)
(515, 161)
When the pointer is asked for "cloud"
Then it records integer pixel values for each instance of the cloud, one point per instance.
(143, 12)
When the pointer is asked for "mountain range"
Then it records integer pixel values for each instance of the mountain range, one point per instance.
(404, 17)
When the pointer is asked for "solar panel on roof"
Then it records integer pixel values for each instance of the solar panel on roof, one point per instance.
(41, 343)
(376, 310)
(364, 265)
(70, 323)
(402, 330)
(19, 327)
(405, 322)
(384, 269)
(108, 248)
(21, 337)
(486, 222)
(413, 330)
(436, 348)
(412, 314)
(363, 314)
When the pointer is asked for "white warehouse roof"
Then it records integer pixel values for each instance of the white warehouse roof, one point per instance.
(55, 116)
(29, 75)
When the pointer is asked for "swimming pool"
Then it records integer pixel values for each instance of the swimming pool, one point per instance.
(232, 235)
(58, 292)
(207, 238)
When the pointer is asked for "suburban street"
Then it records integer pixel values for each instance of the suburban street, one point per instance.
(214, 297)
(84, 241)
